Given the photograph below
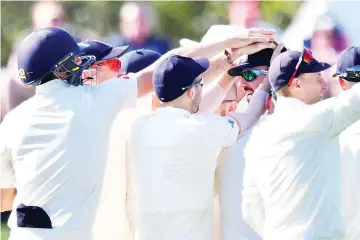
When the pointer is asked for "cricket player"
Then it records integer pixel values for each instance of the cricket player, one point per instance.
(135, 61)
(117, 170)
(107, 65)
(292, 167)
(230, 171)
(119, 201)
(348, 74)
(173, 153)
(53, 147)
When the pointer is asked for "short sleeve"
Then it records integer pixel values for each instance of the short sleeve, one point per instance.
(117, 94)
(7, 173)
(224, 129)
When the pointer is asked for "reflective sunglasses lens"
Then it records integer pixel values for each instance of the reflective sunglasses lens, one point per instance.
(248, 75)
(354, 69)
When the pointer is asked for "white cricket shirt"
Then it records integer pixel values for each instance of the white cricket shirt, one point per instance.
(117, 198)
(292, 172)
(53, 149)
(230, 179)
(173, 155)
(350, 176)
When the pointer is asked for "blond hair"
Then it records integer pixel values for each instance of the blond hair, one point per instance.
(284, 91)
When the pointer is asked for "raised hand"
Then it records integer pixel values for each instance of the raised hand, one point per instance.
(250, 36)
(251, 49)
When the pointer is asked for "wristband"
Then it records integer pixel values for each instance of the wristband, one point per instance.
(230, 61)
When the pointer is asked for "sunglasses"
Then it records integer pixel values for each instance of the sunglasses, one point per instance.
(306, 57)
(353, 72)
(198, 81)
(114, 64)
(250, 74)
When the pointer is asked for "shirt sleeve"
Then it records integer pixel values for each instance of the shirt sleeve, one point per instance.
(252, 204)
(7, 173)
(227, 131)
(117, 94)
(334, 115)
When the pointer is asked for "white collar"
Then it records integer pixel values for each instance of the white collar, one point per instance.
(286, 104)
(52, 86)
(172, 110)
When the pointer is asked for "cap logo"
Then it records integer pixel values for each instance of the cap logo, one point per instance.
(22, 73)
(84, 45)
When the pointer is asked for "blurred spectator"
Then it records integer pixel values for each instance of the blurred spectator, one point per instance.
(47, 14)
(136, 28)
(13, 91)
(328, 39)
(327, 42)
(247, 14)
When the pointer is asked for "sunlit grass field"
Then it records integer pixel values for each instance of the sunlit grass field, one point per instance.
(4, 232)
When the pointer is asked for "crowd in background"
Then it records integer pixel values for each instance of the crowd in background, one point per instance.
(136, 21)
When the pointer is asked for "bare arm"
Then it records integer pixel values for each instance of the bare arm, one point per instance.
(216, 94)
(219, 65)
(7, 198)
(144, 77)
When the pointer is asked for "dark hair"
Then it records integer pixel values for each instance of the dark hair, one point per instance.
(357, 79)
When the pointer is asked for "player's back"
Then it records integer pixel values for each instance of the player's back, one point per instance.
(350, 166)
(58, 141)
(173, 154)
(291, 167)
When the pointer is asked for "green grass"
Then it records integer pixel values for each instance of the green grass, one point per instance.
(4, 232)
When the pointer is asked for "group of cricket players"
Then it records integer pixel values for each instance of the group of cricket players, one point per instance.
(227, 138)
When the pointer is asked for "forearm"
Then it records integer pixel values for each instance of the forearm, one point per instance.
(218, 65)
(216, 94)
(207, 50)
(253, 112)
(7, 198)
(144, 79)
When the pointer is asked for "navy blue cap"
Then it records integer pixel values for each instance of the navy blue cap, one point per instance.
(349, 58)
(101, 50)
(42, 50)
(137, 60)
(261, 58)
(283, 67)
(175, 73)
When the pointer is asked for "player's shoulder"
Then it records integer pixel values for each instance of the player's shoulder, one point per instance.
(206, 118)
(352, 131)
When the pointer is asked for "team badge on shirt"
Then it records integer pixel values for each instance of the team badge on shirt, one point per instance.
(231, 122)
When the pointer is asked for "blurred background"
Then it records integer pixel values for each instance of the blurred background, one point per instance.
(326, 27)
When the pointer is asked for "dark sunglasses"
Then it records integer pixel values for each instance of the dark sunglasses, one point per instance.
(306, 57)
(250, 74)
(353, 72)
(198, 81)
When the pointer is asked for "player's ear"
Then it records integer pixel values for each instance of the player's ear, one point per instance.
(191, 93)
(297, 82)
(232, 107)
(342, 83)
